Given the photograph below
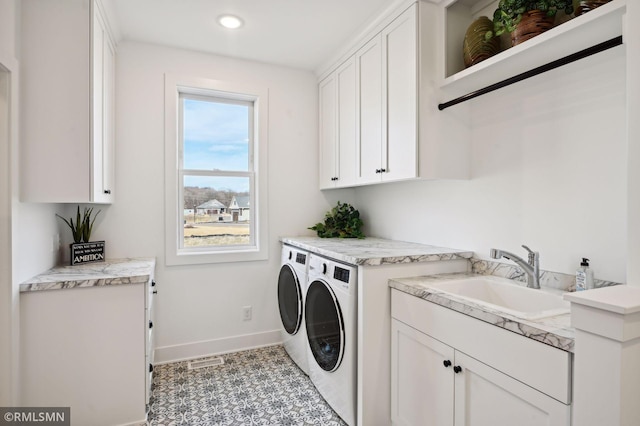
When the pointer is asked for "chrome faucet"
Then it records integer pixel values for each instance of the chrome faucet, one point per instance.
(531, 267)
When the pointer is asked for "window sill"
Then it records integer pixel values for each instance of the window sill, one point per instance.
(189, 257)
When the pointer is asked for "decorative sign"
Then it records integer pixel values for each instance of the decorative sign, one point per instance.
(87, 252)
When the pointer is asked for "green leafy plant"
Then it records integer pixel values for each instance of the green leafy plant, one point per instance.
(83, 226)
(342, 221)
(509, 13)
(88, 223)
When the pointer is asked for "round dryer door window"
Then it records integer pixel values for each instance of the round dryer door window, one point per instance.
(325, 327)
(289, 299)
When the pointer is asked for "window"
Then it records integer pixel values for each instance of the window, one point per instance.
(216, 170)
(216, 177)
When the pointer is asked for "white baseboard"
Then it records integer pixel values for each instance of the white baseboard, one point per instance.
(138, 423)
(175, 353)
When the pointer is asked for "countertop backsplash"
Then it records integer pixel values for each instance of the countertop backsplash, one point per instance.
(556, 280)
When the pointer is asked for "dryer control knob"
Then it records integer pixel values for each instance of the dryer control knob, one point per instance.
(324, 268)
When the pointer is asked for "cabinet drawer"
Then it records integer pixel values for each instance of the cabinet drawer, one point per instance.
(536, 364)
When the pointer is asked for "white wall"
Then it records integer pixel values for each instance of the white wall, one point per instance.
(549, 170)
(632, 39)
(34, 225)
(203, 303)
(7, 326)
(27, 229)
(6, 295)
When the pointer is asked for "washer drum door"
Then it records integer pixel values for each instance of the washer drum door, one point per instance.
(289, 299)
(325, 325)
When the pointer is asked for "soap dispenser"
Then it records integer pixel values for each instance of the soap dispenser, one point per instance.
(584, 276)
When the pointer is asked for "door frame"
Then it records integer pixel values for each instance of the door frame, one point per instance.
(9, 290)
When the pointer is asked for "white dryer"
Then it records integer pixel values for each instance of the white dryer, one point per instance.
(292, 285)
(330, 318)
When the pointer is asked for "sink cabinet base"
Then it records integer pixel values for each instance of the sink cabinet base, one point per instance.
(450, 369)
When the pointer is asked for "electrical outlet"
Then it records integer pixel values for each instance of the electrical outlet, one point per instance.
(246, 313)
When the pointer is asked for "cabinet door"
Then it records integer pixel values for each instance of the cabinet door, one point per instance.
(103, 85)
(399, 158)
(485, 396)
(54, 99)
(421, 384)
(109, 141)
(327, 118)
(150, 343)
(346, 82)
(370, 108)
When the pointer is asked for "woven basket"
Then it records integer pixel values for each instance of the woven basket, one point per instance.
(533, 23)
(586, 5)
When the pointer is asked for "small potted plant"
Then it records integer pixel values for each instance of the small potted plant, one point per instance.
(342, 221)
(82, 249)
(525, 19)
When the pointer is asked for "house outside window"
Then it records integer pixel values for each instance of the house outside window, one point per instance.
(215, 141)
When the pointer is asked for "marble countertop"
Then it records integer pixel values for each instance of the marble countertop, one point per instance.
(375, 251)
(110, 272)
(555, 331)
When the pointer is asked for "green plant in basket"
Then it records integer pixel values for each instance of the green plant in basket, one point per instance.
(342, 221)
(509, 13)
(83, 226)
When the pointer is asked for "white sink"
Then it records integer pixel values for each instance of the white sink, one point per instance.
(505, 296)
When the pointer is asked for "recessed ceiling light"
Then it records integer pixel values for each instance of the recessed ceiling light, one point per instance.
(230, 21)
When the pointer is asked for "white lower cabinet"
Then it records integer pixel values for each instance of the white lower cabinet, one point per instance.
(434, 383)
(421, 387)
(150, 343)
(485, 396)
(90, 349)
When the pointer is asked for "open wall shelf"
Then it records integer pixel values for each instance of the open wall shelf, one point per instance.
(583, 32)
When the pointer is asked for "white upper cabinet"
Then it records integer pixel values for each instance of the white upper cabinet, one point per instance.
(387, 77)
(103, 114)
(347, 114)
(67, 114)
(399, 45)
(400, 134)
(337, 94)
(370, 109)
(328, 153)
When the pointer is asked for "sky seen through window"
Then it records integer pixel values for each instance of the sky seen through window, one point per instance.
(216, 137)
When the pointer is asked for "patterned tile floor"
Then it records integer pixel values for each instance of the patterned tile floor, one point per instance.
(256, 387)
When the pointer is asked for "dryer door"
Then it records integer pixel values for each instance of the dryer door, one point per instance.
(325, 326)
(290, 299)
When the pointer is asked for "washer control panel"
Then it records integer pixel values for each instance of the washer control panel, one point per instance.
(341, 274)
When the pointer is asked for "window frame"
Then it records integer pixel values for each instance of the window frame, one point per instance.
(182, 172)
(175, 253)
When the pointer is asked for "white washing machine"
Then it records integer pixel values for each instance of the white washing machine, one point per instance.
(292, 286)
(330, 318)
